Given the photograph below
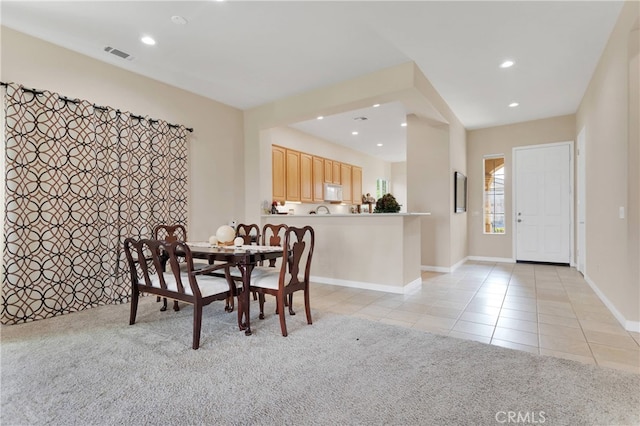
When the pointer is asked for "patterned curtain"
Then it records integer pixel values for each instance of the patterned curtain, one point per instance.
(79, 179)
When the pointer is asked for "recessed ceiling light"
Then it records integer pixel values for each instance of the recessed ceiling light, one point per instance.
(376, 105)
(148, 40)
(178, 20)
(513, 104)
(378, 144)
(320, 117)
(404, 124)
(354, 133)
(507, 64)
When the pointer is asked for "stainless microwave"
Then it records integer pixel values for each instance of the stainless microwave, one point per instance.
(332, 192)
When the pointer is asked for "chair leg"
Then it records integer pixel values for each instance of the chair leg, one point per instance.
(307, 306)
(280, 306)
(229, 304)
(164, 304)
(197, 324)
(135, 294)
(261, 302)
(255, 295)
(240, 311)
(175, 306)
(287, 303)
(291, 312)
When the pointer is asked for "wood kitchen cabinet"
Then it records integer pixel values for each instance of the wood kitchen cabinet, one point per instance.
(278, 173)
(293, 175)
(345, 175)
(328, 171)
(356, 184)
(336, 175)
(298, 176)
(306, 178)
(318, 179)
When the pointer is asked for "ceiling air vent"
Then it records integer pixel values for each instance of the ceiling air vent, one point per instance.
(118, 53)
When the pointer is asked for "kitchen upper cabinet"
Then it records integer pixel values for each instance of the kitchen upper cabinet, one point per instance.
(306, 178)
(328, 171)
(318, 179)
(278, 172)
(336, 176)
(356, 184)
(293, 175)
(298, 176)
(345, 175)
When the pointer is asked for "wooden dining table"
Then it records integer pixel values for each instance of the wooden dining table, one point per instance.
(245, 257)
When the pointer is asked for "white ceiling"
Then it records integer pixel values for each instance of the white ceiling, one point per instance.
(246, 54)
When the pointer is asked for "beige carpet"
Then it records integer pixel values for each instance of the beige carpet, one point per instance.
(92, 368)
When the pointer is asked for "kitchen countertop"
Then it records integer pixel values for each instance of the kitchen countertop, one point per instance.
(349, 215)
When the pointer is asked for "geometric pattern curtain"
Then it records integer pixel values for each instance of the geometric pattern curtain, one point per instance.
(79, 179)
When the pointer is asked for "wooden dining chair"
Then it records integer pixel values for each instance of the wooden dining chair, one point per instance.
(147, 258)
(249, 233)
(292, 276)
(170, 234)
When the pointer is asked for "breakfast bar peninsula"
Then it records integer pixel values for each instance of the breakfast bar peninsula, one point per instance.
(379, 251)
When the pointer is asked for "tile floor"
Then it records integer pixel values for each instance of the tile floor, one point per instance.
(542, 309)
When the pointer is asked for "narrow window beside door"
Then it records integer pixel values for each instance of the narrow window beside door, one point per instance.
(494, 195)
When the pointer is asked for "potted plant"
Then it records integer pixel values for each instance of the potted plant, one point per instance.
(387, 204)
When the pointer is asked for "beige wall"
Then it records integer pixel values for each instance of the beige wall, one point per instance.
(633, 162)
(398, 184)
(428, 188)
(609, 113)
(455, 225)
(216, 151)
(502, 140)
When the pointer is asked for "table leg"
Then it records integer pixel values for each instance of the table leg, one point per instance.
(244, 301)
(246, 283)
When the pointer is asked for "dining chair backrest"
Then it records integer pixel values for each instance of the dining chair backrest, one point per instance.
(249, 233)
(156, 253)
(170, 233)
(296, 263)
(273, 235)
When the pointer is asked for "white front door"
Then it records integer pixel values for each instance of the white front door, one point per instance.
(543, 203)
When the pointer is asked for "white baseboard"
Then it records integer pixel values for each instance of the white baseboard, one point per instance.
(442, 269)
(628, 325)
(492, 259)
(450, 269)
(408, 288)
(459, 264)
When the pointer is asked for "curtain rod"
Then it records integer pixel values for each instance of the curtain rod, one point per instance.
(101, 108)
